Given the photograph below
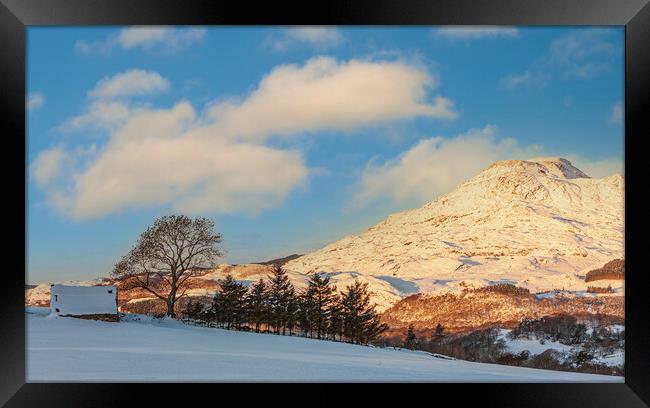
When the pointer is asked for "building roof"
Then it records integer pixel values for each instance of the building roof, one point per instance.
(80, 290)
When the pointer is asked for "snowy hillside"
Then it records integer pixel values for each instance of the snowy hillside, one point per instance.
(540, 224)
(146, 349)
(486, 306)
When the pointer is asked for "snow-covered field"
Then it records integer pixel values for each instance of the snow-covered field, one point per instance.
(68, 349)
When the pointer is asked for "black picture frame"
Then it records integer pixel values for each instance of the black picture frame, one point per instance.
(15, 15)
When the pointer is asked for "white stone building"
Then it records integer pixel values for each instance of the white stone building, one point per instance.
(90, 302)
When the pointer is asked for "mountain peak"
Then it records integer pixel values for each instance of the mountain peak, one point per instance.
(553, 166)
(561, 166)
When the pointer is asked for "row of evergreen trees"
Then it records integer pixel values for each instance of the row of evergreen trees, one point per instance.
(317, 311)
(412, 342)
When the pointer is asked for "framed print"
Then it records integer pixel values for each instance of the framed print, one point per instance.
(438, 192)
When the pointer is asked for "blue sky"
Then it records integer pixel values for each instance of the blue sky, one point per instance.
(290, 138)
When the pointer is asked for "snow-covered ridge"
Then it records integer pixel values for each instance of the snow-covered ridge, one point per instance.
(540, 224)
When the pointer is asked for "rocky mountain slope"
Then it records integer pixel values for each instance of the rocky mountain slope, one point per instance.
(497, 305)
(540, 224)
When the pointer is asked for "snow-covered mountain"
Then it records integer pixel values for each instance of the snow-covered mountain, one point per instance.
(540, 224)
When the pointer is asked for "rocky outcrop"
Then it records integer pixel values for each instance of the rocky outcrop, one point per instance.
(612, 270)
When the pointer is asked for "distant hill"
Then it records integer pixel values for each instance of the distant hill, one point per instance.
(280, 261)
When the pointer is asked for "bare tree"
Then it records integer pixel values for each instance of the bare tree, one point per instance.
(167, 254)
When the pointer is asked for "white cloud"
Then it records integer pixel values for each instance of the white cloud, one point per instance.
(157, 158)
(109, 108)
(129, 83)
(616, 116)
(320, 38)
(218, 162)
(326, 94)
(53, 169)
(169, 37)
(102, 47)
(160, 38)
(34, 101)
(434, 166)
(47, 165)
(476, 32)
(101, 114)
(527, 79)
(585, 53)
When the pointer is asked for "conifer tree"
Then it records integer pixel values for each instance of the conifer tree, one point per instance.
(411, 339)
(324, 296)
(279, 293)
(372, 326)
(438, 334)
(306, 306)
(336, 318)
(292, 309)
(194, 310)
(257, 304)
(351, 308)
(360, 320)
(228, 303)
